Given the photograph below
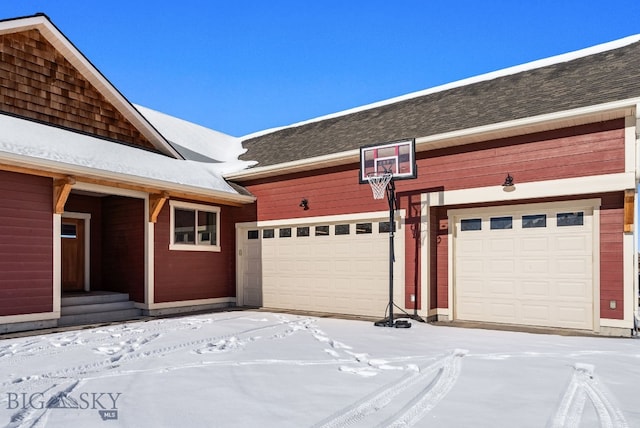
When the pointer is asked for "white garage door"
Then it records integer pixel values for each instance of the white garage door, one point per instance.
(329, 267)
(530, 265)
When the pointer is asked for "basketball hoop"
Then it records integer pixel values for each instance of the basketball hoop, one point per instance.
(379, 182)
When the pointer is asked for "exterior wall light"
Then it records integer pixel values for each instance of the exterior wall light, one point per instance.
(304, 204)
(508, 185)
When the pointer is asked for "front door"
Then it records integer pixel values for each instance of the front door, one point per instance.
(73, 252)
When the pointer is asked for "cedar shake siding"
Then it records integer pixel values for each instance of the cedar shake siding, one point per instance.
(37, 82)
(26, 244)
(193, 275)
(123, 226)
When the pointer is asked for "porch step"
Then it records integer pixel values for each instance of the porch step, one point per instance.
(97, 307)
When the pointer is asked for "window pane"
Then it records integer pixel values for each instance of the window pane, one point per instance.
(207, 228)
(268, 233)
(363, 228)
(322, 230)
(570, 219)
(342, 229)
(501, 222)
(531, 221)
(253, 234)
(285, 233)
(68, 231)
(384, 227)
(303, 231)
(184, 226)
(471, 224)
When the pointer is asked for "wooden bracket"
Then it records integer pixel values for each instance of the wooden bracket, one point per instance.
(61, 190)
(156, 202)
(629, 197)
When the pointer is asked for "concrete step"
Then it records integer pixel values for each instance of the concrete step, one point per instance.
(96, 307)
(99, 317)
(93, 298)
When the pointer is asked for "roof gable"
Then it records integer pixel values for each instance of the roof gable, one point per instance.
(45, 78)
(597, 77)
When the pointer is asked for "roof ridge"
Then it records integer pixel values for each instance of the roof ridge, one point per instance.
(532, 65)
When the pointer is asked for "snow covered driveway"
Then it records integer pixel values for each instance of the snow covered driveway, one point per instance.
(250, 369)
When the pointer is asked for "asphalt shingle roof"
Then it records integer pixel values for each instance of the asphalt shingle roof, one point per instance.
(594, 79)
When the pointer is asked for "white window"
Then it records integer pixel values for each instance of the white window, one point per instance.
(194, 227)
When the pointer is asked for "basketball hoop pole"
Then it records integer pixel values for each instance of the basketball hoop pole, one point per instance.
(391, 198)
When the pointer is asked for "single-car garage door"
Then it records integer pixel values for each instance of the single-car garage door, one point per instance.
(530, 265)
(340, 267)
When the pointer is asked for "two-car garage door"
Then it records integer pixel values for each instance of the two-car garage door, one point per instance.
(335, 267)
(531, 265)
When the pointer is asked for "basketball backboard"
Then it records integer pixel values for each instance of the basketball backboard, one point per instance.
(397, 157)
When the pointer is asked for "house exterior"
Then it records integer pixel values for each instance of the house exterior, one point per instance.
(99, 194)
(557, 249)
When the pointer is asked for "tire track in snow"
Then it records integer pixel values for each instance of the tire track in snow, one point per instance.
(583, 385)
(430, 396)
(446, 369)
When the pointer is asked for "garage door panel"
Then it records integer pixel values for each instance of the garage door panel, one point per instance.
(541, 274)
(504, 288)
(535, 266)
(332, 273)
(501, 267)
(532, 245)
(573, 266)
(536, 314)
(503, 311)
(573, 290)
(573, 243)
(535, 289)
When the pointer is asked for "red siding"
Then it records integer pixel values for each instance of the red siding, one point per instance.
(442, 260)
(611, 256)
(573, 152)
(412, 236)
(123, 246)
(26, 244)
(93, 206)
(193, 275)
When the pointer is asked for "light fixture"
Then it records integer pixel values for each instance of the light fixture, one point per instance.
(508, 185)
(304, 204)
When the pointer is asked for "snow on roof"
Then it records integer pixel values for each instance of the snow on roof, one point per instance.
(616, 44)
(193, 141)
(44, 144)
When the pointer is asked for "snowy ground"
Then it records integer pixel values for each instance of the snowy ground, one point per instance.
(260, 369)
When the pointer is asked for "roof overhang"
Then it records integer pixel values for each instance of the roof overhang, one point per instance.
(512, 128)
(47, 168)
(54, 36)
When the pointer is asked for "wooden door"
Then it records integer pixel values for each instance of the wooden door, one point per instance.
(73, 251)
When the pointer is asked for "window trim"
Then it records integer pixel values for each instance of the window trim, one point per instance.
(195, 246)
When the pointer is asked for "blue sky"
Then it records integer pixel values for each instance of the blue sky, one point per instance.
(244, 66)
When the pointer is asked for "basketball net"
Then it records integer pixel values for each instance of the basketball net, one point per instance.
(379, 182)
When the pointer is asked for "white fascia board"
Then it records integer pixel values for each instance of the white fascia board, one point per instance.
(511, 128)
(59, 41)
(534, 190)
(75, 170)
